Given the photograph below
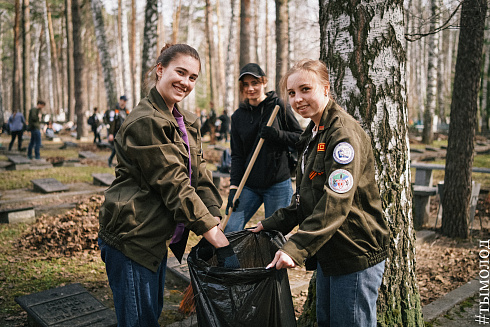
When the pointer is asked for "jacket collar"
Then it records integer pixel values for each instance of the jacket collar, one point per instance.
(159, 104)
(325, 123)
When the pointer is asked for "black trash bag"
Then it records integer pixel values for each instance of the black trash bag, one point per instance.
(240, 297)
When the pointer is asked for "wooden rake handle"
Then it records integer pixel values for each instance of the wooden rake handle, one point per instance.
(249, 168)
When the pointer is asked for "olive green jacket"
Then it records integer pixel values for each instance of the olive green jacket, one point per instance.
(151, 192)
(347, 230)
(34, 121)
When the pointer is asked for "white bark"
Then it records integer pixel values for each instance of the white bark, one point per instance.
(231, 59)
(367, 76)
(148, 57)
(104, 57)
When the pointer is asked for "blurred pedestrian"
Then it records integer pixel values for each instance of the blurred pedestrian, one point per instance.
(17, 126)
(35, 129)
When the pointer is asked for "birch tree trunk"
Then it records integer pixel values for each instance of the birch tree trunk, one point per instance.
(220, 72)
(104, 57)
(433, 48)
(230, 60)
(16, 92)
(69, 62)
(485, 84)
(135, 54)
(79, 65)
(2, 109)
(460, 151)
(364, 49)
(26, 58)
(149, 42)
(245, 32)
(36, 64)
(282, 41)
(212, 70)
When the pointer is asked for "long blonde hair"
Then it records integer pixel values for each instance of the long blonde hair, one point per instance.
(316, 67)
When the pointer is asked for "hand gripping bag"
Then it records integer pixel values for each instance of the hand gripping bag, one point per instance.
(251, 296)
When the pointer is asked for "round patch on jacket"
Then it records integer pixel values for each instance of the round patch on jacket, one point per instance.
(343, 153)
(340, 181)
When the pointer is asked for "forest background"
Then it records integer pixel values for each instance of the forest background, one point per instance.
(393, 66)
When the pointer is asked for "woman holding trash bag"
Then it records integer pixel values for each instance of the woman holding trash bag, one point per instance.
(269, 181)
(161, 186)
(337, 207)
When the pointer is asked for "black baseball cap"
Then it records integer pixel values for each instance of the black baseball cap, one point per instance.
(251, 69)
(123, 97)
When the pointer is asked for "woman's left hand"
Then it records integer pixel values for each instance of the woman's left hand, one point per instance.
(281, 260)
(258, 228)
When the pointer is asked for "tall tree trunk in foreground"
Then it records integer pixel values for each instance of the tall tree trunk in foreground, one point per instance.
(282, 41)
(79, 65)
(126, 71)
(364, 48)
(49, 66)
(460, 150)
(150, 50)
(105, 59)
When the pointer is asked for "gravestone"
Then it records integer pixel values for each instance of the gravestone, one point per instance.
(18, 215)
(69, 305)
(103, 179)
(87, 155)
(72, 163)
(18, 163)
(48, 185)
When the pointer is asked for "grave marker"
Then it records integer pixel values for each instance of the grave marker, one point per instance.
(18, 163)
(48, 185)
(87, 155)
(103, 179)
(18, 215)
(69, 305)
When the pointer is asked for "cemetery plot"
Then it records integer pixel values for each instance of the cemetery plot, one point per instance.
(48, 185)
(103, 179)
(69, 305)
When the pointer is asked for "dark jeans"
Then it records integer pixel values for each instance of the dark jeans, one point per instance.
(96, 136)
(36, 143)
(17, 134)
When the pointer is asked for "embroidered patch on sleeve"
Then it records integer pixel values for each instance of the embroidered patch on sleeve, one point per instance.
(321, 147)
(343, 153)
(340, 181)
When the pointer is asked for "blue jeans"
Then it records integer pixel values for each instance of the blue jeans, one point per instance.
(137, 291)
(348, 300)
(36, 143)
(275, 197)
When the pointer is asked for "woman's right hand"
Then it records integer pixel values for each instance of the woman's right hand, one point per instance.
(258, 228)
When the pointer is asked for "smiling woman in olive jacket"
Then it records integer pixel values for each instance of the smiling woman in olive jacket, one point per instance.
(161, 191)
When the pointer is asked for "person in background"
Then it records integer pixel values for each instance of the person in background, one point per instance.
(94, 123)
(114, 127)
(35, 129)
(16, 123)
(269, 181)
(122, 106)
(224, 126)
(161, 191)
(342, 230)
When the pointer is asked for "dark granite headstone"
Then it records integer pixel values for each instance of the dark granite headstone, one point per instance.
(48, 185)
(103, 179)
(69, 305)
(18, 215)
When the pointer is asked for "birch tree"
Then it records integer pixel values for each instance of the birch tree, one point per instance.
(149, 42)
(2, 110)
(135, 76)
(364, 48)
(104, 57)
(230, 60)
(433, 47)
(49, 69)
(460, 150)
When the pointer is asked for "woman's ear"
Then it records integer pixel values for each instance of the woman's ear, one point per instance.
(327, 89)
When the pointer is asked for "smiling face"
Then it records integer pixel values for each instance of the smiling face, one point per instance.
(178, 79)
(307, 96)
(253, 89)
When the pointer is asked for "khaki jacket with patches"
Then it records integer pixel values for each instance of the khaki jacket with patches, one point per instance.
(346, 232)
(151, 192)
